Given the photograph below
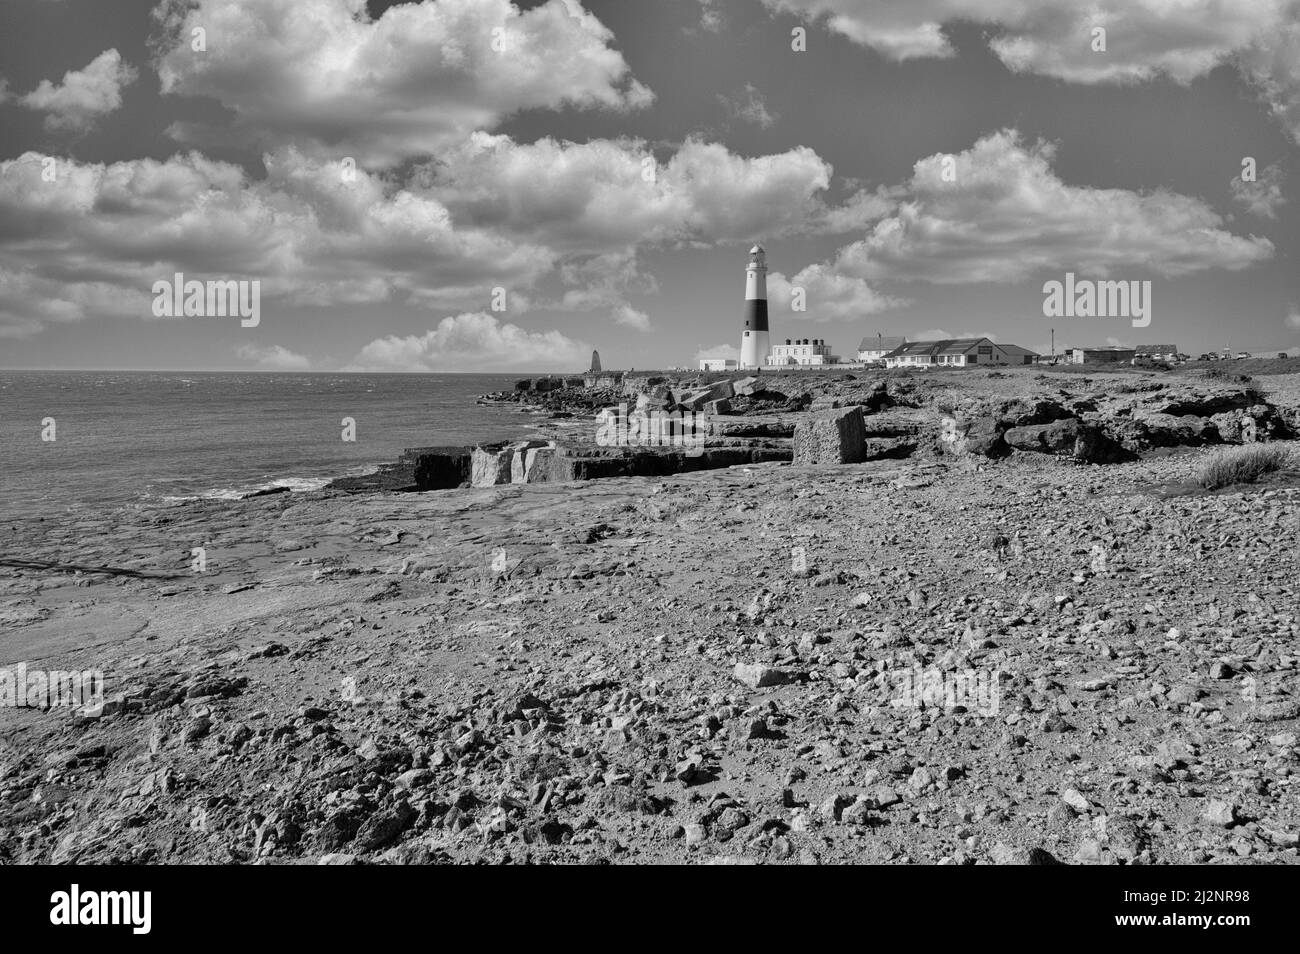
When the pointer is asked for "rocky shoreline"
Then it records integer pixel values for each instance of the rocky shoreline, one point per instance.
(873, 415)
(975, 643)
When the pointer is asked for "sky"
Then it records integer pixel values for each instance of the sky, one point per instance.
(479, 185)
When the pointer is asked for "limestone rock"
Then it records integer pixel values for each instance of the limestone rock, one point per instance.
(832, 437)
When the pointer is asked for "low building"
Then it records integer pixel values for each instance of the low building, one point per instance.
(1106, 355)
(958, 353)
(1156, 353)
(719, 364)
(875, 349)
(801, 351)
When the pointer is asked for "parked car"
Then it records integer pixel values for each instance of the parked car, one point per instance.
(1283, 354)
(1208, 357)
(1243, 355)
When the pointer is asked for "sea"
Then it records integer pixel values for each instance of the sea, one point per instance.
(125, 437)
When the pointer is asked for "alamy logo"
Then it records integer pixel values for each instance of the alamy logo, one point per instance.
(21, 687)
(73, 907)
(617, 428)
(1084, 298)
(932, 688)
(179, 298)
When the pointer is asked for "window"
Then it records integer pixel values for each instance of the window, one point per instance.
(973, 358)
(986, 349)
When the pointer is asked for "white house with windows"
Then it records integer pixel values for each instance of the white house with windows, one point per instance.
(874, 349)
(801, 351)
(958, 353)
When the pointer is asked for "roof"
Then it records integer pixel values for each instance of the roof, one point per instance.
(888, 343)
(1156, 349)
(953, 346)
(1100, 348)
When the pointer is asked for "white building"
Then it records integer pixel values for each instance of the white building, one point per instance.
(958, 353)
(875, 349)
(801, 351)
(719, 364)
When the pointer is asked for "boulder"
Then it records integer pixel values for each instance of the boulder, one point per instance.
(759, 676)
(440, 468)
(1175, 430)
(493, 464)
(1072, 437)
(982, 436)
(1026, 413)
(745, 386)
(530, 464)
(490, 464)
(1200, 404)
(695, 399)
(832, 437)
(1054, 438)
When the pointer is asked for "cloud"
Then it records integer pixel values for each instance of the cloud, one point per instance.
(276, 357)
(1293, 317)
(474, 342)
(1272, 63)
(493, 213)
(718, 351)
(324, 76)
(84, 96)
(861, 210)
(1145, 39)
(311, 236)
(749, 108)
(1008, 217)
(1263, 197)
(587, 197)
(828, 295)
(603, 282)
(29, 301)
(710, 16)
(630, 317)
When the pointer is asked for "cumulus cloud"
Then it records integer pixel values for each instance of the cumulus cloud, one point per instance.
(1264, 196)
(749, 107)
(84, 95)
(325, 76)
(492, 213)
(1144, 38)
(859, 211)
(828, 295)
(1272, 63)
(275, 357)
(603, 281)
(719, 351)
(474, 342)
(311, 235)
(1293, 317)
(588, 196)
(1008, 217)
(29, 301)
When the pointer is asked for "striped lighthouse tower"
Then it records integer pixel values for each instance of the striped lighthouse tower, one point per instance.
(753, 342)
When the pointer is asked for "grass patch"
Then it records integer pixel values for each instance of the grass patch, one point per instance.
(1243, 465)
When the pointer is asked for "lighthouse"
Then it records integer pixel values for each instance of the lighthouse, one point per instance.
(753, 341)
